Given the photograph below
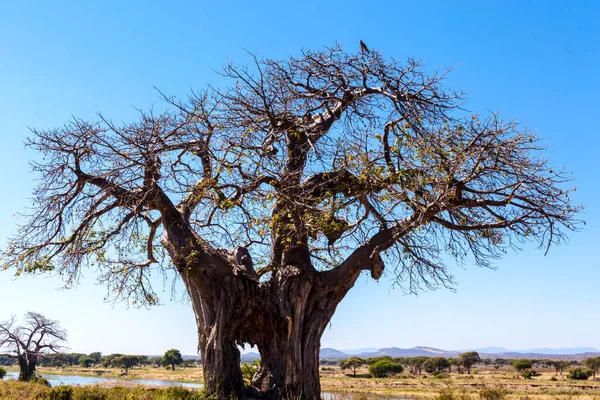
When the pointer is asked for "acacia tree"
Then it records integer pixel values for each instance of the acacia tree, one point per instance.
(593, 363)
(172, 358)
(270, 197)
(468, 359)
(37, 336)
(352, 363)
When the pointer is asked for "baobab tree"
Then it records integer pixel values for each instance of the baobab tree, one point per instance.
(36, 337)
(268, 198)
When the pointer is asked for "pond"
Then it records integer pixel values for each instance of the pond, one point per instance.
(56, 380)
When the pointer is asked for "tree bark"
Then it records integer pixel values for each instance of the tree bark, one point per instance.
(27, 363)
(284, 317)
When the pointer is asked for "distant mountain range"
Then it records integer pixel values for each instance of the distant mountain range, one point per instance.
(563, 351)
(570, 353)
(487, 352)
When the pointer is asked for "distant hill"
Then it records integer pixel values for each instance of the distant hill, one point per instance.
(489, 350)
(572, 353)
(249, 357)
(354, 352)
(332, 354)
(412, 352)
(565, 351)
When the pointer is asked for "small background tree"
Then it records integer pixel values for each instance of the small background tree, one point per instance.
(172, 358)
(352, 363)
(593, 363)
(87, 362)
(522, 365)
(37, 336)
(126, 362)
(560, 366)
(468, 359)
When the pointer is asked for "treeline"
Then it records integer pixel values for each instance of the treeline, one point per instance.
(464, 363)
(170, 359)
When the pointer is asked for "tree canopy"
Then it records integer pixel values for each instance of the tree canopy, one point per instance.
(328, 152)
(172, 358)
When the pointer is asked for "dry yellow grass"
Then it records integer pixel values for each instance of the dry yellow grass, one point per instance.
(334, 380)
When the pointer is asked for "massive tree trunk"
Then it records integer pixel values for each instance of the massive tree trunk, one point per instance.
(27, 364)
(284, 317)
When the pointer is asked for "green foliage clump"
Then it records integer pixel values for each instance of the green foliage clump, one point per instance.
(2, 373)
(28, 391)
(87, 362)
(373, 360)
(172, 358)
(553, 379)
(449, 393)
(521, 365)
(39, 380)
(580, 374)
(61, 393)
(492, 394)
(249, 370)
(384, 368)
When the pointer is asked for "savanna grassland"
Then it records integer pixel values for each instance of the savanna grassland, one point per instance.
(484, 383)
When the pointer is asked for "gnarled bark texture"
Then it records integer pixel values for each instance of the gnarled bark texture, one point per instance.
(284, 317)
(27, 364)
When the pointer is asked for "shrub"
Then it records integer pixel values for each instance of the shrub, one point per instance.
(248, 372)
(27, 391)
(521, 365)
(39, 380)
(553, 379)
(440, 375)
(2, 373)
(492, 394)
(448, 393)
(580, 374)
(529, 373)
(383, 368)
(61, 393)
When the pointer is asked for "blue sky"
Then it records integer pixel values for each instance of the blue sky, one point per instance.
(536, 61)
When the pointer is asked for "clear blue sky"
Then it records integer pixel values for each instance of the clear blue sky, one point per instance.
(533, 60)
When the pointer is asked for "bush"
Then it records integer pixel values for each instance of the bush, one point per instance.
(249, 370)
(61, 393)
(383, 368)
(553, 379)
(440, 375)
(2, 373)
(529, 373)
(521, 365)
(448, 393)
(580, 374)
(492, 394)
(27, 391)
(39, 380)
